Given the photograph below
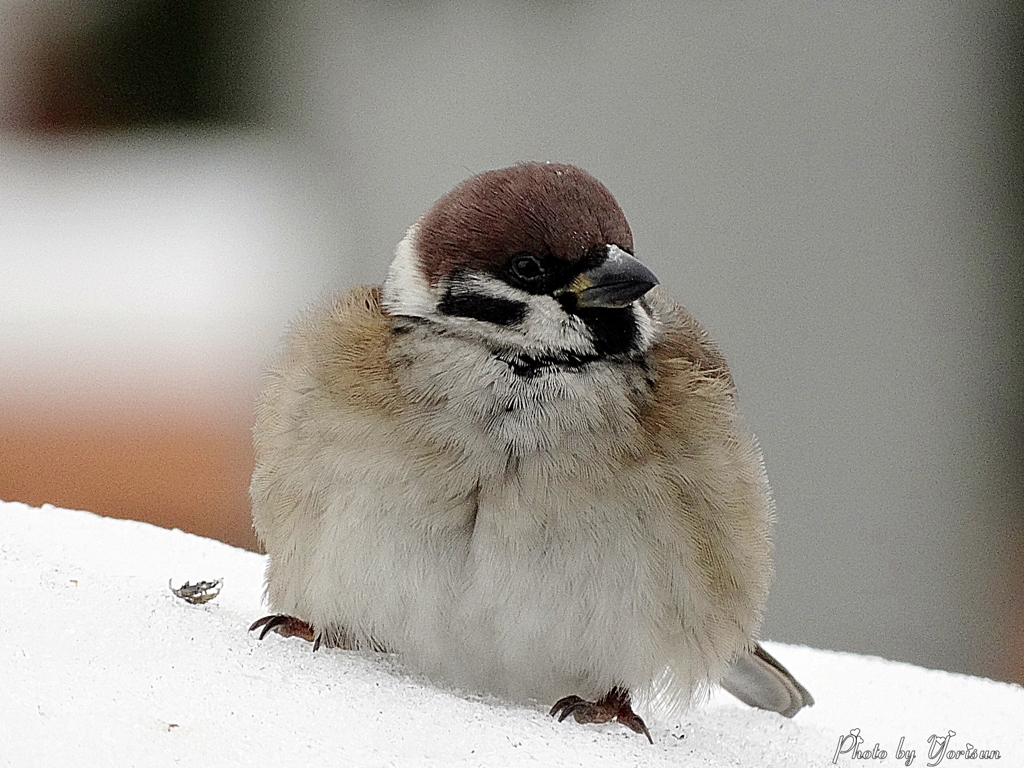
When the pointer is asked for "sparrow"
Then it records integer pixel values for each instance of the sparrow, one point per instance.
(519, 465)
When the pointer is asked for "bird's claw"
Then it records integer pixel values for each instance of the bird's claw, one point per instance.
(287, 626)
(573, 705)
(614, 706)
(635, 723)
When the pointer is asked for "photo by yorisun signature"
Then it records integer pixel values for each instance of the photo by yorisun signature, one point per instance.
(937, 748)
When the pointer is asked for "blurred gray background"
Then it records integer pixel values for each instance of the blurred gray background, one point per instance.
(834, 190)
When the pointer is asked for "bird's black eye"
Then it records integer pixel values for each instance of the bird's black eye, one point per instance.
(527, 268)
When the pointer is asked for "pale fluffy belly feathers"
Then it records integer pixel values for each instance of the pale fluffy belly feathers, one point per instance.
(531, 592)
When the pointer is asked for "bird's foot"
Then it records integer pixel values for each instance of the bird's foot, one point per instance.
(614, 706)
(287, 626)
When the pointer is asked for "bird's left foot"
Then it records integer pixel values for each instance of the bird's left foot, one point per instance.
(614, 706)
(287, 626)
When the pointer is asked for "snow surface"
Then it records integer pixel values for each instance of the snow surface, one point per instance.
(100, 664)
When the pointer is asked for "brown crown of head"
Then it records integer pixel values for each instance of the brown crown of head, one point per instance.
(536, 208)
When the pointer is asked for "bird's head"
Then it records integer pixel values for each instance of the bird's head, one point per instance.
(535, 261)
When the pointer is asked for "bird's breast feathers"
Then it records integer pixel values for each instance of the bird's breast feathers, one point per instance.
(507, 528)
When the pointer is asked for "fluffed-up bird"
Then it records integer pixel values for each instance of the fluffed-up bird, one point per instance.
(520, 466)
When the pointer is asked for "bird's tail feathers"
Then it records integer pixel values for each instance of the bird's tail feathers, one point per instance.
(758, 679)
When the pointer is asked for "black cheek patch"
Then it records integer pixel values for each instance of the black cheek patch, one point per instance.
(489, 309)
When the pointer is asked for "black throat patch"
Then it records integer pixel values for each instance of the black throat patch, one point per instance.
(614, 331)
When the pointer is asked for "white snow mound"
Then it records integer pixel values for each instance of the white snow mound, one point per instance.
(100, 664)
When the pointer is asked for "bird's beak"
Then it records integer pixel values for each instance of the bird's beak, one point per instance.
(616, 282)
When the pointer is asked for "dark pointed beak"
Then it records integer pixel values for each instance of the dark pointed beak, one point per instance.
(616, 282)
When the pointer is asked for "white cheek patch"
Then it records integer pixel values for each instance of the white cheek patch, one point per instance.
(480, 283)
(545, 329)
(552, 328)
(644, 326)
(406, 291)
